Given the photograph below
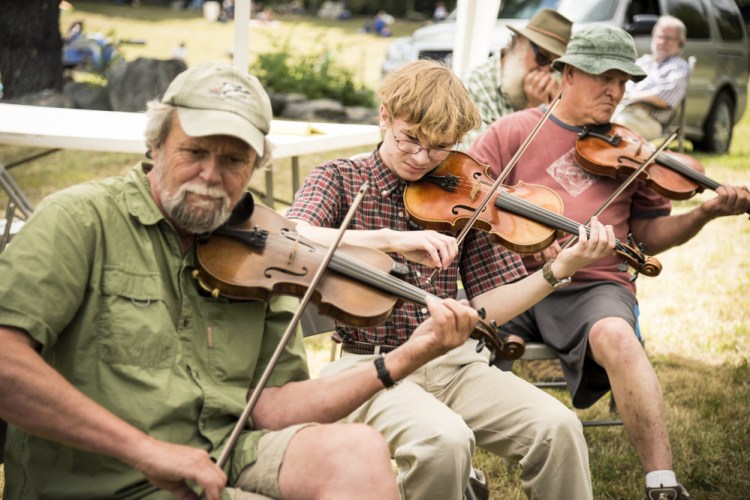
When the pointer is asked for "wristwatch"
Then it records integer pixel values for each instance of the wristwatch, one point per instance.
(550, 277)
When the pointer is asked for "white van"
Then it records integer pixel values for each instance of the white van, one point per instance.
(717, 38)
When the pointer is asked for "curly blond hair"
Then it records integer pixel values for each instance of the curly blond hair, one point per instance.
(430, 97)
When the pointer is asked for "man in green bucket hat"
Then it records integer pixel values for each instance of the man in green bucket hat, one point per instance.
(593, 322)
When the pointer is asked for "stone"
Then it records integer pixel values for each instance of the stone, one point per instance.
(132, 84)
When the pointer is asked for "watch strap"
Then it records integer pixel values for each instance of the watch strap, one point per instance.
(383, 374)
(550, 276)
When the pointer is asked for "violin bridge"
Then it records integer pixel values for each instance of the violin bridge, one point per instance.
(475, 190)
(293, 252)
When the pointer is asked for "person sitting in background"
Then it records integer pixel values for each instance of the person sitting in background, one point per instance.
(648, 105)
(380, 25)
(441, 13)
(520, 75)
(180, 52)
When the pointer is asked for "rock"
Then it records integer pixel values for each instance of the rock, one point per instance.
(315, 110)
(87, 96)
(49, 98)
(360, 114)
(132, 84)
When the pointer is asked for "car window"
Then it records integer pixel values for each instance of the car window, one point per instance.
(587, 11)
(575, 10)
(524, 9)
(693, 14)
(641, 7)
(728, 19)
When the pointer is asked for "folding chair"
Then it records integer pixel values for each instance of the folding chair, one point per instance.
(681, 115)
(17, 210)
(538, 351)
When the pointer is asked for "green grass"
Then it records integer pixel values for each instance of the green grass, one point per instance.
(695, 315)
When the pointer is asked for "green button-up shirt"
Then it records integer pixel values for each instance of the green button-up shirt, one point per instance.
(97, 277)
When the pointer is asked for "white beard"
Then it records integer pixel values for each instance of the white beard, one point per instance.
(512, 75)
(199, 216)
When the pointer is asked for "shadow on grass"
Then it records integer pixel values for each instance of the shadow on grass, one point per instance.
(707, 413)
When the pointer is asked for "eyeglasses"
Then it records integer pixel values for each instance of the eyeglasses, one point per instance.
(412, 148)
(540, 59)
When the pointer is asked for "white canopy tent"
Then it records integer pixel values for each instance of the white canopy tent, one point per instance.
(240, 54)
(474, 22)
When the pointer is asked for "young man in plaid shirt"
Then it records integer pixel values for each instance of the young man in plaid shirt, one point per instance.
(433, 419)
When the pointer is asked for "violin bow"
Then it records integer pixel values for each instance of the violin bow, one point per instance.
(626, 183)
(503, 175)
(253, 399)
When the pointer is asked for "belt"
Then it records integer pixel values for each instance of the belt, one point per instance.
(354, 347)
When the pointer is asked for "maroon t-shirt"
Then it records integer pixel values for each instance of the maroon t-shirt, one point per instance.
(550, 161)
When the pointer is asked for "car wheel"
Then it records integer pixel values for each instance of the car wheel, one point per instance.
(718, 127)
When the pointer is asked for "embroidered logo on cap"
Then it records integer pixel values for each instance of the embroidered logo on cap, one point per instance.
(230, 90)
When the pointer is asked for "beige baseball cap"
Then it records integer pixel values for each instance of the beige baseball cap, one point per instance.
(216, 98)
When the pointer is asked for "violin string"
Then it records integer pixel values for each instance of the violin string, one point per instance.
(688, 172)
(368, 274)
(521, 150)
(540, 213)
(525, 208)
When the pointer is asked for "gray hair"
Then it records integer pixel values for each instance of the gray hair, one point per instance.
(159, 123)
(673, 22)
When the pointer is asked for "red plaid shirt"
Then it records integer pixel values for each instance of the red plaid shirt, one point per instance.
(324, 199)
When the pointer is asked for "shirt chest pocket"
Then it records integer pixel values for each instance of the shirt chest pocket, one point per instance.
(134, 326)
(234, 340)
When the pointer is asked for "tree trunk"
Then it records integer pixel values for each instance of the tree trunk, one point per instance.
(30, 46)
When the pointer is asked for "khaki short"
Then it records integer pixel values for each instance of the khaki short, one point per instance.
(261, 479)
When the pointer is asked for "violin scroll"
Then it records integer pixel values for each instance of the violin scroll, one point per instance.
(504, 346)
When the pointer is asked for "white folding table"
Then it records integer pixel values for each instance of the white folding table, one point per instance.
(122, 132)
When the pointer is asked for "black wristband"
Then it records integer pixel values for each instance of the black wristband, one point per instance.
(383, 374)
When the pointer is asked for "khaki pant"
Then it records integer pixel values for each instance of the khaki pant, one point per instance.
(637, 118)
(263, 475)
(434, 418)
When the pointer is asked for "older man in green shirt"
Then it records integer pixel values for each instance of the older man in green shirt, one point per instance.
(119, 377)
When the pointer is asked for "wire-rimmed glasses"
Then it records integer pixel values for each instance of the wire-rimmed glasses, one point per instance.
(412, 148)
(540, 58)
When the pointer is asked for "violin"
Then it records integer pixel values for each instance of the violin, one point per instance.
(362, 286)
(614, 151)
(524, 218)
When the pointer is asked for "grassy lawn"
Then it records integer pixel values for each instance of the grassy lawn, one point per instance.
(695, 315)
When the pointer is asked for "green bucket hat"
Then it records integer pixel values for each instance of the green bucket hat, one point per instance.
(600, 48)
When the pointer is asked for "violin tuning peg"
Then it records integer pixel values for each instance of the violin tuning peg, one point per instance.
(622, 266)
(493, 357)
(480, 345)
(482, 312)
(215, 293)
